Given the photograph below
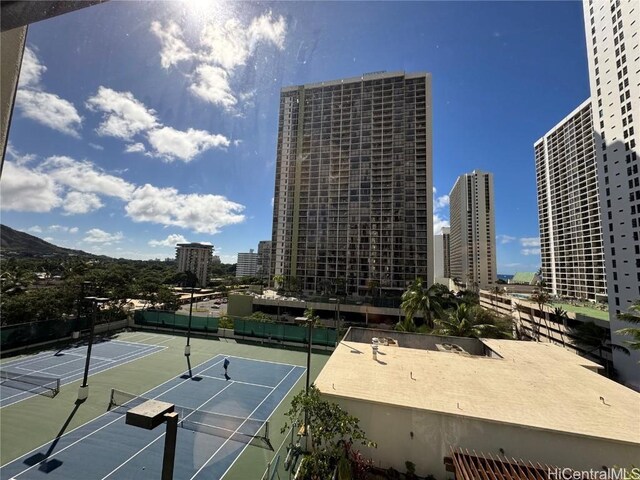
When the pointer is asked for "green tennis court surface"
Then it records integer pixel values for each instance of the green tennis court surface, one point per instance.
(53, 437)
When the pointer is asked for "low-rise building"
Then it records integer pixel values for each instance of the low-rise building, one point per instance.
(424, 396)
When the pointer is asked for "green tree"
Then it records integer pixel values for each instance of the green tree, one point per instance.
(474, 322)
(541, 298)
(632, 316)
(261, 317)
(329, 427)
(592, 337)
(418, 298)
(167, 299)
(561, 317)
(495, 292)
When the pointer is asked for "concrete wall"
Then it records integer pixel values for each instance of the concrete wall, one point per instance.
(425, 438)
(415, 340)
(12, 44)
(240, 305)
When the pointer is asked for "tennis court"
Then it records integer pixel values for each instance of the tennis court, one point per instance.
(38, 374)
(225, 421)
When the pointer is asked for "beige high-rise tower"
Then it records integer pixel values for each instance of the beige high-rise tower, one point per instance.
(353, 203)
(569, 208)
(612, 28)
(472, 237)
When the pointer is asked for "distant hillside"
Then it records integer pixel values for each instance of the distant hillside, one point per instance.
(14, 243)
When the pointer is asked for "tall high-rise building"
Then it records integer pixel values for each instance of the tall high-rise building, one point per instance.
(612, 29)
(569, 208)
(441, 258)
(473, 238)
(263, 269)
(353, 190)
(195, 258)
(247, 265)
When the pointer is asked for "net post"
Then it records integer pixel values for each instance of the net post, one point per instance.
(57, 386)
(111, 399)
(266, 430)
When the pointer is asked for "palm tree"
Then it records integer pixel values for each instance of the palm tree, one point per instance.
(541, 298)
(496, 290)
(592, 337)
(631, 316)
(472, 322)
(420, 299)
(560, 315)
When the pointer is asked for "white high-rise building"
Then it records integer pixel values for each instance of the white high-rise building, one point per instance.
(353, 202)
(613, 47)
(569, 208)
(247, 265)
(195, 258)
(472, 237)
(441, 258)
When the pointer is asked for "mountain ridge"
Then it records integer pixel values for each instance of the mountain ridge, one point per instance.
(15, 243)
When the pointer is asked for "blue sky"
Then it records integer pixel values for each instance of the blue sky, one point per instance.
(141, 124)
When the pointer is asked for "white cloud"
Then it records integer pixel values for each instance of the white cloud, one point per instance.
(229, 45)
(439, 223)
(530, 251)
(441, 202)
(31, 69)
(84, 177)
(57, 228)
(170, 241)
(223, 47)
(123, 115)
(96, 146)
(530, 242)
(135, 148)
(200, 213)
(211, 84)
(174, 50)
(95, 235)
(170, 143)
(26, 190)
(46, 108)
(48, 239)
(34, 229)
(505, 239)
(76, 203)
(50, 110)
(73, 230)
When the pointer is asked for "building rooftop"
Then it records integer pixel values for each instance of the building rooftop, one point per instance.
(526, 278)
(536, 385)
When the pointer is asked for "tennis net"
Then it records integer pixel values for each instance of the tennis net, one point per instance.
(245, 430)
(41, 385)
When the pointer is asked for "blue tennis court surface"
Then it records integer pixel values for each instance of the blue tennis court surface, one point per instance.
(109, 448)
(68, 364)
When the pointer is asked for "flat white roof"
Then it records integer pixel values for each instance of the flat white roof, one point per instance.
(535, 385)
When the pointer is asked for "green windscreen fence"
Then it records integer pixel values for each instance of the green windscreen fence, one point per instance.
(174, 321)
(284, 332)
(243, 327)
(23, 334)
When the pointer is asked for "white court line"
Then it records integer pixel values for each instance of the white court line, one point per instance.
(92, 357)
(265, 361)
(144, 339)
(68, 378)
(120, 417)
(238, 429)
(237, 381)
(163, 433)
(270, 415)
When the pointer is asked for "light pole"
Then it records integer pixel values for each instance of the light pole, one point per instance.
(187, 348)
(83, 393)
(337, 301)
